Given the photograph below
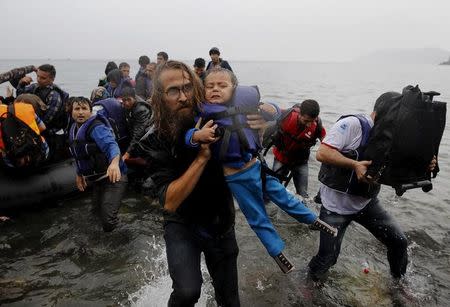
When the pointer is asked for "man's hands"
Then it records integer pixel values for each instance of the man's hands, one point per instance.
(256, 121)
(81, 183)
(204, 153)
(432, 164)
(25, 80)
(268, 108)
(113, 171)
(360, 168)
(125, 156)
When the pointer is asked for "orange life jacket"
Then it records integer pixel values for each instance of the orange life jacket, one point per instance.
(24, 112)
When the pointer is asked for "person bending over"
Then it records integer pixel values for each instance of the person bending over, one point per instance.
(345, 199)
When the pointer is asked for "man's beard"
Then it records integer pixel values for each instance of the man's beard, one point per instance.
(178, 122)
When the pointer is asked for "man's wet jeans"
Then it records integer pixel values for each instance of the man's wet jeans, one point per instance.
(184, 245)
(107, 197)
(300, 175)
(374, 218)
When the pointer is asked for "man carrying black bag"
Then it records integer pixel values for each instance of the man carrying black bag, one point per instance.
(348, 195)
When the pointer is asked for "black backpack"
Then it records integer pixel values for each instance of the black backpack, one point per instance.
(406, 135)
(20, 139)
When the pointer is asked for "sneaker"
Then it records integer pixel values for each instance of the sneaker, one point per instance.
(285, 265)
(324, 227)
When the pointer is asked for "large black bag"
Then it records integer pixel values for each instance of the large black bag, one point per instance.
(406, 135)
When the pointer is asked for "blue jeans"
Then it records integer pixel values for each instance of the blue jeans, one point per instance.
(300, 174)
(246, 187)
(184, 245)
(375, 219)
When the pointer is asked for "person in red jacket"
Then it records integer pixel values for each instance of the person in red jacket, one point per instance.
(298, 131)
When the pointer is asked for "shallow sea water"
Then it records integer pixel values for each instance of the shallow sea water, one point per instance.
(58, 255)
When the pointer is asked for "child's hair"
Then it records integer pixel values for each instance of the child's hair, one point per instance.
(79, 100)
(38, 105)
(218, 70)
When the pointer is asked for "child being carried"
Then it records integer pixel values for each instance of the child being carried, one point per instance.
(236, 146)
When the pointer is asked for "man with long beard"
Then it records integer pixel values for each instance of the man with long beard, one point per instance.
(198, 206)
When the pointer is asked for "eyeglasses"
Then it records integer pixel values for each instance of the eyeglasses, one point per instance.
(175, 92)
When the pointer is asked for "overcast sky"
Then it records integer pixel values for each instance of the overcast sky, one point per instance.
(304, 30)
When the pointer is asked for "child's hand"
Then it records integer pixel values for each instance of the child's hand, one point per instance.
(206, 135)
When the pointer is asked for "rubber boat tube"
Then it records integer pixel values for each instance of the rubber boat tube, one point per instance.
(54, 181)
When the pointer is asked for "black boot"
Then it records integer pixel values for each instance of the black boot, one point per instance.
(285, 265)
(324, 227)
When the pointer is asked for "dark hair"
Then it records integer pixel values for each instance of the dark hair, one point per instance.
(114, 75)
(199, 62)
(48, 69)
(144, 60)
(123, 64)
(220, 70)
(310, 108)
(381, 101)
(80, 100)
(128, 92)
(110, 66)
(214, 50)
(157, 102)
(164, 55)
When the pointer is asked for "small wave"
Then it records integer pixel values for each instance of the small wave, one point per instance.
(158, 284)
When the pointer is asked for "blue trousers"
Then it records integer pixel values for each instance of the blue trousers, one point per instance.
(246, 187)
(375, 219)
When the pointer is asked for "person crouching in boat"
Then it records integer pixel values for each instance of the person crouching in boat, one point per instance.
(21, 143)
(98, 162)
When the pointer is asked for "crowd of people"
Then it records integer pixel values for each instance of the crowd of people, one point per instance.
(199, 135)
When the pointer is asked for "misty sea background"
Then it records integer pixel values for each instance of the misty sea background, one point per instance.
(59, 256)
